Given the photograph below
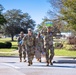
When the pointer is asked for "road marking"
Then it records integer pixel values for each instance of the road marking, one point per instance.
(10, 65)
(41, 66)
(33, 66)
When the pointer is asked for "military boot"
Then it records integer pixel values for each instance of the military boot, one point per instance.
(39, 60)
(29, 64)
(47, 63)
(20, 59)
(51, 63)
(20, 55)
(24, 56)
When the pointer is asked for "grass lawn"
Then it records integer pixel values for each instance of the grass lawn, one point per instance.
(13, 48)
(64, 52)
(11, 51)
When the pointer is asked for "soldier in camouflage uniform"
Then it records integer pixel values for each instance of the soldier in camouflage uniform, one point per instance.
(48, 45)
(20, 47)
(29, 41)
(39, 46)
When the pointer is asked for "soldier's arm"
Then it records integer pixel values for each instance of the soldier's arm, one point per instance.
(24, 41)
(34, 41)
(43, 42)
(18, 40)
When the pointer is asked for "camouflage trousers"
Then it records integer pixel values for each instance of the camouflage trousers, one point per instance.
(30, 53)
(49, 50)
(22, 52)
(38, 52)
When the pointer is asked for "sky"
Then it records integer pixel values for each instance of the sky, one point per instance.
(37, 9)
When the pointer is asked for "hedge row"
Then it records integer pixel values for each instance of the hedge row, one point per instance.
(6, 45)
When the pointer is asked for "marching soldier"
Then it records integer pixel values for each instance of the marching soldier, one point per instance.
(39, 46)
(20, 47)
(48, 45)
(29, 41)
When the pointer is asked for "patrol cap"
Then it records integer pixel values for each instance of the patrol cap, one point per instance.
(29, 29)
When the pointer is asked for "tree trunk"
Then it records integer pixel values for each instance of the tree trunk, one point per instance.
(12, 37)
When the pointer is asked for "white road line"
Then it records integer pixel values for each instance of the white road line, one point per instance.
(13, 66)
(32, 67)
(35, 66)
(10, 65)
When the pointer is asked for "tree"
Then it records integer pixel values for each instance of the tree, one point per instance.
(57, 25)
(54, 11)
(69, 13)
(66, 11)
(17, 21)
(2, 19)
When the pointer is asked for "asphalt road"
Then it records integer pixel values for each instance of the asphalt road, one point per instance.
(61, 66)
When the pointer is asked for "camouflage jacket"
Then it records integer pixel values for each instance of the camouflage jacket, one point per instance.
(20, 40)
(29, 40)
(39, 41)
(48, 38)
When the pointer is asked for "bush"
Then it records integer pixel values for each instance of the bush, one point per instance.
(6, 45)
(2, 45)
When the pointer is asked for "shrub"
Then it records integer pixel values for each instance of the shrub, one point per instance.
(8, 44)
(2, 45)
(5, 45)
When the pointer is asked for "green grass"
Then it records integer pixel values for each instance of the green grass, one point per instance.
(9, 51)
(8, 54)
(64, 52)
(6, 50)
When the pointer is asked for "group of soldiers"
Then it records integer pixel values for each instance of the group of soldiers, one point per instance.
(35, 45)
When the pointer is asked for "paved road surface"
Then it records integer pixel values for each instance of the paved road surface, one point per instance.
(62, 66)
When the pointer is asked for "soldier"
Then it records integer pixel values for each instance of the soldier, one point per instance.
(20, 47)
(48, 45)
(29, 41)
(39, 46)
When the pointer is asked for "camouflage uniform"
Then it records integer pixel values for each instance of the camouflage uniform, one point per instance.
(39, 47)
(29, 41)
(48, 45)
(20, 48)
